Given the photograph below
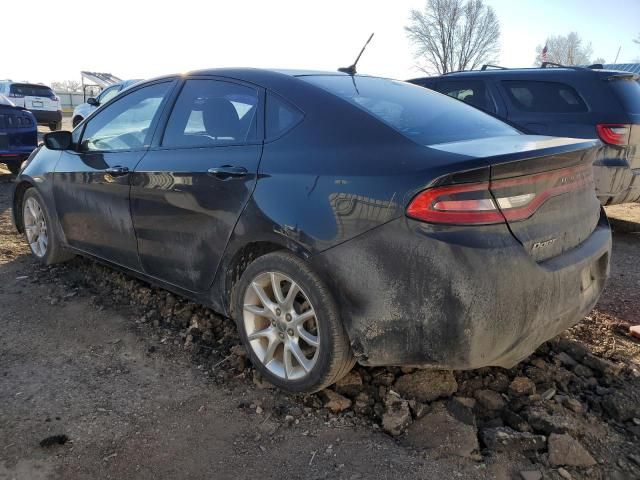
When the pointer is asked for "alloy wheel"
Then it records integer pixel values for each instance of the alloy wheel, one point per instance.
(35, 226)
(281, 325)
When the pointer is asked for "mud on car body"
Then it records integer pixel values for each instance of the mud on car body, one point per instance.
(336, 218)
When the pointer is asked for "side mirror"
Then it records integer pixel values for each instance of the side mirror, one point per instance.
(93, 101)
(60, 140)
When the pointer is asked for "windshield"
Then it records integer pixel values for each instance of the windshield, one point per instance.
(422, 115)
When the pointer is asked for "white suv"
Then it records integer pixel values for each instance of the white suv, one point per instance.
(37, 98)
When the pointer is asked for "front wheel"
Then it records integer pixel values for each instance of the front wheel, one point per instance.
(76, 121)
(290, 324)
(40, 231)
(14, 168)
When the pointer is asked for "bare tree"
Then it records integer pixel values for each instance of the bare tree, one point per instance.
(451, 35)
(565, 50)
(600, 60)
(68, 86)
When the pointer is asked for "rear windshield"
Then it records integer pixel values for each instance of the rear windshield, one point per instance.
(628, 91)
(30, 90)
(422, 115)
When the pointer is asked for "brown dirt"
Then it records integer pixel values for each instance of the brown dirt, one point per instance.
(90, 354)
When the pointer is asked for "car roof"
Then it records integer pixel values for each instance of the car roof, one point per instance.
(526, 72)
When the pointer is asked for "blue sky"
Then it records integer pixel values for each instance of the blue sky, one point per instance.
(142, 38)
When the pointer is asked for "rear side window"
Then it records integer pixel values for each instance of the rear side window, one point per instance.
(212, 112)
(29, 90)
(418, 113)
(628, 91)
(473, 92)
(544, 97)
(281, 116)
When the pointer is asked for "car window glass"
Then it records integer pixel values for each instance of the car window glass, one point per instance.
(108, 94)
(418, 113)
(473, 92)
(281, 116)
(124, 124)
(30, 90)
(544, 97)
(212, 112)
(628, 91)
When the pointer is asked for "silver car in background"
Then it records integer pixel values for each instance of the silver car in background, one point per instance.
(83, 110)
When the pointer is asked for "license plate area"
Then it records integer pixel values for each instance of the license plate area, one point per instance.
(4, 141)
(36, 104)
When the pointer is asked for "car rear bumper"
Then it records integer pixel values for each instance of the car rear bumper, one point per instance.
(617, 184)
(456, 298)
(44, 117)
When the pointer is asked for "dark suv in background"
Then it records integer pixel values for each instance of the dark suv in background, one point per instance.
(574, 102)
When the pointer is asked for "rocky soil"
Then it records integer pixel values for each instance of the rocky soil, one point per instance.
(571, 410)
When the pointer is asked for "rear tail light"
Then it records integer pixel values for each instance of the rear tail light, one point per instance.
(54, 98)
(614, 134)
(484, 203)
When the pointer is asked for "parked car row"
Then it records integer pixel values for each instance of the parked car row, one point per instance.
(38, 99)
(18, 134)
(566, 102)
(337, 218)
(83, 110)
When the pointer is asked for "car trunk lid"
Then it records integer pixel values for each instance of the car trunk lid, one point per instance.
(542, 186)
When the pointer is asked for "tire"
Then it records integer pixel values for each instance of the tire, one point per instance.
(14, 168)
(282, 321)
(76, 121)
(48, 250)
(53, 126)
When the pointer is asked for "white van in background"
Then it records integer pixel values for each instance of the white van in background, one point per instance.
(37, 98)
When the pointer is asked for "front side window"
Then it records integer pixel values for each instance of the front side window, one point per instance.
(125, 123)
(108, 94)
(473, 92)
(544, 97)
(420, 114)
(212, 112)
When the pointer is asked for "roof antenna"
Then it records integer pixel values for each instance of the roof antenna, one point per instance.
(352, 69)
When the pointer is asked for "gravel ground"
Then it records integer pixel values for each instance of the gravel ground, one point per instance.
(123, 380)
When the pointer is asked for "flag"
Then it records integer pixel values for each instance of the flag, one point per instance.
(544, 53)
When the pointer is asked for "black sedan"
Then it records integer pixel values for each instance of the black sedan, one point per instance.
(337, 218)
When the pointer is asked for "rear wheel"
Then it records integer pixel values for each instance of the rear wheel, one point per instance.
(14, 168)
(290, 325)
(53, 126)
(39, 231)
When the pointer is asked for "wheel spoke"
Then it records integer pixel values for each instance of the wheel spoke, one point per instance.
(304, 362)
(303, 317)
(256, 310)
(271, 349)
(288, 364)
(277, 288)
(309, 339)
(291, 295)
(262, 295)
(264, 333)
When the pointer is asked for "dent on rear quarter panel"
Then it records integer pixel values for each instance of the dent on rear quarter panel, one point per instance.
(448, 297)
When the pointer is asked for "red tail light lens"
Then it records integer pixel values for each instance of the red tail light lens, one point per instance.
(511, 199)
(614, 134)
(467, 204)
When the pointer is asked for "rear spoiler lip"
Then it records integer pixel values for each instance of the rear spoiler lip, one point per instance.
(622, 76)
(500, 162)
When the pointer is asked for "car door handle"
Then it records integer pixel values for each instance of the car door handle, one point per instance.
(117, 171)
(227, 171)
